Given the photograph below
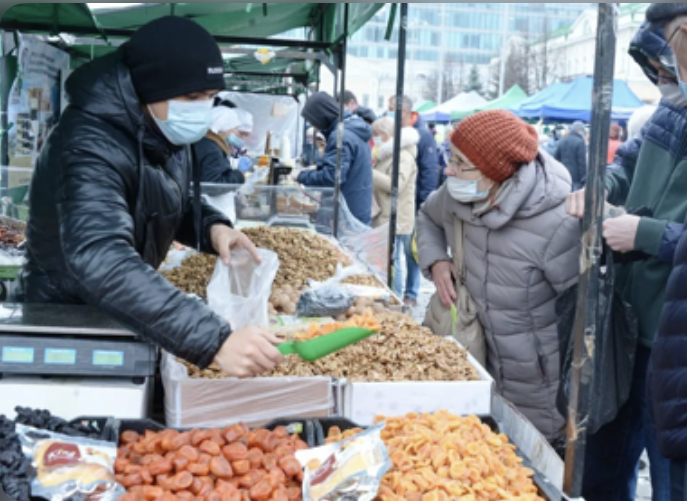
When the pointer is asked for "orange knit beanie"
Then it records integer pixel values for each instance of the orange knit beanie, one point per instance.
(497, 142)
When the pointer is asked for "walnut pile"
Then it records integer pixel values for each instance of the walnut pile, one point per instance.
(302, 255)
(284, 300)
(194, 274)
(364, 280)
(402, 351)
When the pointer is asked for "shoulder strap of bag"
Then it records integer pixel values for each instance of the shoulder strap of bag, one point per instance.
(458, 251)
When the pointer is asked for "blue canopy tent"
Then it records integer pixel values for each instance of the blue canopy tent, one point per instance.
(567, 102)
(532, 106)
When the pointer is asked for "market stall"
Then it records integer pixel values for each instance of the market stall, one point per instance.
(401, 367)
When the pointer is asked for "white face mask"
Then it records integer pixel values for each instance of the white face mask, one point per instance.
(465, 191)
(187, 121)
(671, 93)
(377, 140)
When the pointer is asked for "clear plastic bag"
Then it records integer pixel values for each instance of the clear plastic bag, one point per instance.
(325, 301)
(350, 469)
(241, 291)
(77, 469)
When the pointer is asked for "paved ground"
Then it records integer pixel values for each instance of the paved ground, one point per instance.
(426, 291)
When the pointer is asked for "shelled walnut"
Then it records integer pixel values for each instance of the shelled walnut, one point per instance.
(194, 274)
(302, 255)
(401, 351)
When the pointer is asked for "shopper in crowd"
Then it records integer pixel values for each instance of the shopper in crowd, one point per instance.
(350, 102)
(521, 251)
(217, 153)
(572, 152)
(111, 191)
(322, 111)
(654, 184)
(645, 47)
(383, 130)
(427, 182)
(614, 142)
(667, 379)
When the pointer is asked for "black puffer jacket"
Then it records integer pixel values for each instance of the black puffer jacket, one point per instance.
(108, 196)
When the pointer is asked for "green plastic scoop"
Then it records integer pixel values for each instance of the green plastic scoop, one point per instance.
(321, 346)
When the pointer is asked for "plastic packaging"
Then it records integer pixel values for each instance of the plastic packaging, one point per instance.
(69, 467)
(241, 291)
(324, 301)
(350, 469)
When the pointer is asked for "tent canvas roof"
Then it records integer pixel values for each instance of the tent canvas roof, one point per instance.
(573, 101)
(424, 106)
(254, 20)
(513, 97)
(462, 102)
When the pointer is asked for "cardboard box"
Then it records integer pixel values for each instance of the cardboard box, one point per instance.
(212, 403)
(363, 401)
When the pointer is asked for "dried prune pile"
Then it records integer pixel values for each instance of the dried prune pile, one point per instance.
(15, 469)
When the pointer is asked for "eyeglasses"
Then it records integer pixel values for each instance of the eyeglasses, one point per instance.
(667, 57)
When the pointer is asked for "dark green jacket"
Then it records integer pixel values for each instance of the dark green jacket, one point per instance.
(658, 183)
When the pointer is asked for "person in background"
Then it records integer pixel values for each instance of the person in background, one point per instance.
(427, 182)
(110, 192)
(216, 152)
(322, 111)
(383, 130)
(614, 142)
(521, 251)
(350, 102)
(654, 180)
(314, 147)
(572, 152)
(667, 380)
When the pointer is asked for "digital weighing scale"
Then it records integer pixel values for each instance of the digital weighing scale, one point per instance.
(73, 361)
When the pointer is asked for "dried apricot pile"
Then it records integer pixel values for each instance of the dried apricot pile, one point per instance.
(230, 464)
(442, 457)
(365, 321)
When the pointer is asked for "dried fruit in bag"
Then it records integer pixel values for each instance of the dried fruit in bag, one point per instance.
(73, 468)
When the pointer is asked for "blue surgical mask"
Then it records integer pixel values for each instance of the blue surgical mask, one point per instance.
(235, 141)
(187, 121)
(465, 191)
(683, 88)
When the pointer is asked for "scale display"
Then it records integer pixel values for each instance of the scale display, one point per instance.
(17, 355)
(59, 357)
(108, 358)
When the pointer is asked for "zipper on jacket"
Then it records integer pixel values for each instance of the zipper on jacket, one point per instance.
(486, 303)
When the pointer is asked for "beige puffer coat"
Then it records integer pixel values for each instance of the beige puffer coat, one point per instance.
(406, 182)
(519, 257)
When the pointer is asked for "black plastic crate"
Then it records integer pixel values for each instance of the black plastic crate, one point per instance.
(547, 490)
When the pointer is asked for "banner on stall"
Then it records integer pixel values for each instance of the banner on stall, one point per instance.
(34, 103)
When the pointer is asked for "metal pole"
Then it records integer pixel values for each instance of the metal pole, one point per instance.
(587, 315)
(339, 139)
(506, 29)
(400, 81)
(442, 56)
(4, 105)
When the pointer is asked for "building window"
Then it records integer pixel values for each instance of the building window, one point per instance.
(380, 101)
(366, 100)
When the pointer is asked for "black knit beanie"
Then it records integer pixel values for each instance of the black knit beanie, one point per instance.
(321, 110)
(660, 14)
(173, 56)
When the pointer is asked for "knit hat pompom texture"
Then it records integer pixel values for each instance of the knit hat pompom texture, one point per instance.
(173, 56)
(497, 142)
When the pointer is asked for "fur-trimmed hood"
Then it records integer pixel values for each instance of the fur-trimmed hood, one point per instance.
(409, 140)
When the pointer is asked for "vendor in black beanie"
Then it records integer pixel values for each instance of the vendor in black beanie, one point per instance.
(111, 191)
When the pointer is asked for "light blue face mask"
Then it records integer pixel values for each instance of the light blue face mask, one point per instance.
(187, 121)
(235, 141)
(465, 191)
(683, 87)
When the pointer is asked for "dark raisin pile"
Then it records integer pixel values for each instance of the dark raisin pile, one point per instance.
(15, 469)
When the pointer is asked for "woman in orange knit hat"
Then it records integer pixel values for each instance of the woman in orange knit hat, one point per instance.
(520, 251)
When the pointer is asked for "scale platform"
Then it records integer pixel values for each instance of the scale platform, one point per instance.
(70, 340)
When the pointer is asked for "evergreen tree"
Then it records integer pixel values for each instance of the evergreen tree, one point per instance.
(474, 82)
